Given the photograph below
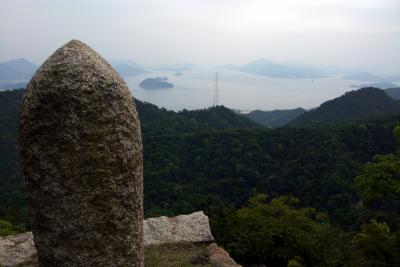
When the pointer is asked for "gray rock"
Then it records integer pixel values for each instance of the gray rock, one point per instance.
(194, 227)
(82, 162)
(16, 249)
(219, 257)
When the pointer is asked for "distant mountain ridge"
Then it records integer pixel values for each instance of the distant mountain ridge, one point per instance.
(127, 68)
(17, 70)
(381, 85)
(174, 67)
(362, 104)
(372, 78)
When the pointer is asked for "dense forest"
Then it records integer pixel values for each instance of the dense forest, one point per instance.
(307, 195)
(274, 118)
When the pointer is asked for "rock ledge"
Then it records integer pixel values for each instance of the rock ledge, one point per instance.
(193, 228)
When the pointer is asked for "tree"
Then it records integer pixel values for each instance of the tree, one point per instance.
(379, 183)
(375, 246)
(278, 233)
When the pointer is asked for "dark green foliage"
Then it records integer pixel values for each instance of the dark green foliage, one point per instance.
(215, 160)
(366, 103)
(278, 231)
(274, 118)
(157, 121)
(12, 199)
(7, 228)
(191, 154)
(375, 246)
(157, 125)
(316, 165)
(218, 117)
(380, 181)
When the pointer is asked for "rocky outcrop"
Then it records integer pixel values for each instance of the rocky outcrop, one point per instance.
(193, 228)
(16, 249)
(82, 162)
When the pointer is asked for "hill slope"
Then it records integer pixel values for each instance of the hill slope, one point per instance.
(366, 103)
(157, 121)
(274, 118)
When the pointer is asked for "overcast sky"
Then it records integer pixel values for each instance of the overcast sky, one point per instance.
(362, 34)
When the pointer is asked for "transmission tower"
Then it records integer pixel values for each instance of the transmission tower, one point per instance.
(215, 102)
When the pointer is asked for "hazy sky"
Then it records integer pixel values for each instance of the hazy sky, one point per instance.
(363, 34)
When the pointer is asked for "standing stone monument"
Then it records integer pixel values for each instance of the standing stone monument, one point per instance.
(82, 161)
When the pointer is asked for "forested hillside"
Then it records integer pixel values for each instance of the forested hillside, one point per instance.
(274, 118)
(362, 104)
(295, 195)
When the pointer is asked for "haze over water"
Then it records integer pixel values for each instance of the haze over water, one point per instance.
(237, 90)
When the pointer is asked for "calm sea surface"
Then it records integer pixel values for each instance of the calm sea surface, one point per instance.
(195, 89)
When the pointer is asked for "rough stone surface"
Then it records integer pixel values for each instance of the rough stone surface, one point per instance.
(219, 257)
(193, 228)
(183, 228)
(82, 162)
(16, 249)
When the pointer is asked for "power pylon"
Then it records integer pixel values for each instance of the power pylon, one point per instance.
(215, 102)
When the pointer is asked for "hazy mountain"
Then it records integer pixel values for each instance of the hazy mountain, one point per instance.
(382, 85)
(17, 70)
(365, 103)
(116, 62)
(276, 70)
(174, 67)
(275, 118)
(393, 92)
(127, 70)
(368, 77)
(127, 67)
(228, 67)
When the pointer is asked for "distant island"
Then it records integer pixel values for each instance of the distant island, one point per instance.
(156, 83)
(275, 70)
(178, 73)
(174, 67)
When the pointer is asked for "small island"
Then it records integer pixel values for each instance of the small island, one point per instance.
(156, 83)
